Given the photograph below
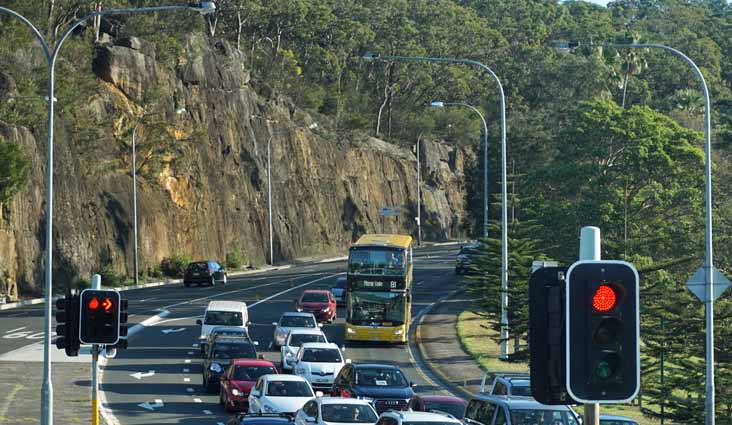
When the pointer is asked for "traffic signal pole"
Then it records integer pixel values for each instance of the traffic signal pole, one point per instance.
(590, 250)
(96, 284)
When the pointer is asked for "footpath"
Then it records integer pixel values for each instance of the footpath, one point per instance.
(439, 346)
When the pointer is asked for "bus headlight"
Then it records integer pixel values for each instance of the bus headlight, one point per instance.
(398, 332)
(350, 331)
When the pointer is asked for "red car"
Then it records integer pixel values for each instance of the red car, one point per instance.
(239, 379)
(438, 403)
(320, 302)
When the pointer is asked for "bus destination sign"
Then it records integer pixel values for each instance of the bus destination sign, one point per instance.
(370, 284)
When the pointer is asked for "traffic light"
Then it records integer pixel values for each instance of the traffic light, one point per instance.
(603, 357)
(100, 317)
(547, 336)
(122, 343)
(67, 324)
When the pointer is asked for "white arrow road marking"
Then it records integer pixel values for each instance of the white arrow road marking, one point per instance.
(186, 379)
(172, 331)
(15, 330)
(186, 370)
(207, 412)
(197, 400)
(147, 405)
(140, 375)
(190, 390)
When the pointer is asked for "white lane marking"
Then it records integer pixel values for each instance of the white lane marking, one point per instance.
(186, 379)
(186, 370)
(279, 282)
(197, 400)
(293, 288)
(151, 406)
(189, 389)
(219, 423)
(22, 313)
(140, 375)
(419, 283)
(15, 330)
(172, 331)
(190, 353)
(194, 345)
(208, 412)
(188, 360)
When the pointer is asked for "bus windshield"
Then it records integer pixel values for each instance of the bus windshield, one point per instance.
(377, 261)
(377, 307)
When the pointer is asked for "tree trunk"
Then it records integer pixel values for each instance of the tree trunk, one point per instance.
(97, 22)
(387, 96)
(239, 27)
(625, 88)
(212, 20)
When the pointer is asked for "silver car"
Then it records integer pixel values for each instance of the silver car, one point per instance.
(291, 320)
(339, 290)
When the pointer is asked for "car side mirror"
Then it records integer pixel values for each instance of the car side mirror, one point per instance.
(274, 323)
(199, 322)
(412, 384)
(254, 393)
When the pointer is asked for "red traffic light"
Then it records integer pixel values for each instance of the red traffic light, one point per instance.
(93, 304)
(604, 299)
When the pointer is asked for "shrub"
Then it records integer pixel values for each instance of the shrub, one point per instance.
(174, 266)
(234, 259)
(80, 283)
(111, 278)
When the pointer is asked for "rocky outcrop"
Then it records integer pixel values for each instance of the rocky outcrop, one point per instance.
(202, 175)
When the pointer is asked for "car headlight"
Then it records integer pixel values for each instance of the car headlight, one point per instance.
(288, 354)
(398, 331)
(237, 393)
(325, 310)
(268, 409)
(350, 331)
(215, 367)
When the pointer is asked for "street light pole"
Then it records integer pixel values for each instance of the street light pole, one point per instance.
(134, 190)
(485, 157)
(504, 209)
(419, 195)
(269, 201)
(708, 263)
(51, 56)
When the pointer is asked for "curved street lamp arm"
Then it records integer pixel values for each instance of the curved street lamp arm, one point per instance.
(32, 27)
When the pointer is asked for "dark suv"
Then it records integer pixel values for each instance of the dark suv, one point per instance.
(466, 258)
(385, 386)
(219, 355)
(204, 273)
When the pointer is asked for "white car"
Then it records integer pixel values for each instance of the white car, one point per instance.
(291, 320)
(396, 417)
(319, 363)
(279, 394)
(294, 340)
(336, 410)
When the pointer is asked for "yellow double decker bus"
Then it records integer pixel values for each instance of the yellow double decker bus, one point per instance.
(378, 289)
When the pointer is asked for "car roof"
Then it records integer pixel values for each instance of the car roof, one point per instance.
(275, 377)
(305, 331)
(252, 362)
(374, 366)
(315, 291)
(442, 398)
(341, 400)
(424, 417)
(226, 306)
(319, 345)
(296, 313)
(617, 418)
(524, 403)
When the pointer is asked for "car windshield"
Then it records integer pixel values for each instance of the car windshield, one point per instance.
(226, 318)
(541, 417)
(348, 413)
(252, 373)
(289, 389)
(377, 261)
(455, 409)
(321, 355)
(376, 307)
(310, 297)
(231, 350)
(298, 322)
(198, 267)
(380, 377)
(297, 340)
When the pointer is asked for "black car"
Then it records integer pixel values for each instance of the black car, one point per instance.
(384, 385)
(262, 419)
(223, 330)
(466, 258)
(222, 350)
(204, 273)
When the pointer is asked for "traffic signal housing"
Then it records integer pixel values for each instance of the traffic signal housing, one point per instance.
(67, 324)
(547, 362)
(602, 332)
(99, 317)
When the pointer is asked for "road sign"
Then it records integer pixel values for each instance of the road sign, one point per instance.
(389, 211)
(697, 285)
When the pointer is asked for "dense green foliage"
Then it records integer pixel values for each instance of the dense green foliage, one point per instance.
(13, 170)
(605, 137)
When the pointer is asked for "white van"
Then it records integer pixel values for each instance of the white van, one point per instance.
(223, 313)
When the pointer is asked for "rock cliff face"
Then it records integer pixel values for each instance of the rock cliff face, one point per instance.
(202, 174)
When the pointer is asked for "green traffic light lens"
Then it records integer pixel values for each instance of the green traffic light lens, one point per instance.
(603, 370)
(608, 367)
